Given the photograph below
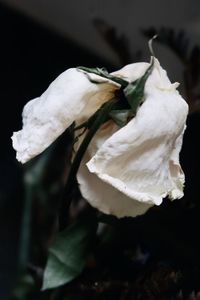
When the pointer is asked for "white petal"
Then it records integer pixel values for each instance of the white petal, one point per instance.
(98, 193)
(70, 97)
(132, 72)
(139, 162)
(105, 197)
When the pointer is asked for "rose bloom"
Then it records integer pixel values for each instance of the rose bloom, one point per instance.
(125, 170)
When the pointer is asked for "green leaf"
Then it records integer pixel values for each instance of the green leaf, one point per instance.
(69, 252)
(134, 92)
(104, 73)
(43, 183)
(120, 117)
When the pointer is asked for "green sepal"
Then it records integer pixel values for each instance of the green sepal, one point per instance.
(104, 73)
(120, 117)
(134, 91)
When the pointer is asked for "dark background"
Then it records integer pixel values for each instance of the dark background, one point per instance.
(31, 56)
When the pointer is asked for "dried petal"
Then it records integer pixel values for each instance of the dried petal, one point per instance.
(125, 170)
(69, 97)
(141, 160)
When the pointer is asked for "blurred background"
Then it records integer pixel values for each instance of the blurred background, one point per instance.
(40, 39)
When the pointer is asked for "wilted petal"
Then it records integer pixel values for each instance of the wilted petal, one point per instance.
(105, 197)
(125, 170)
(100, 194)
(141, 160)
(69, 97)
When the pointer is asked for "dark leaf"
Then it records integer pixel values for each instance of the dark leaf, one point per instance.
(43, 186)
(68, 253)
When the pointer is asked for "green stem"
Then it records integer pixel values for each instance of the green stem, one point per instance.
(99, 120)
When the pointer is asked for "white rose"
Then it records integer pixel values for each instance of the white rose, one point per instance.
(125, 170)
